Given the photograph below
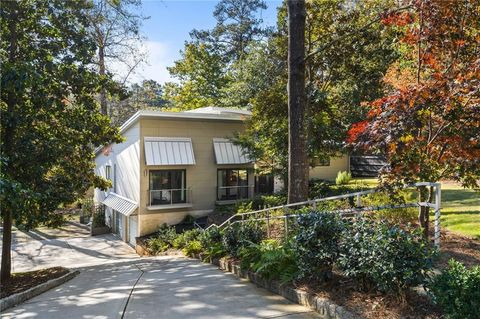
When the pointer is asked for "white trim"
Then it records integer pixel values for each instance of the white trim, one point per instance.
(173, 206)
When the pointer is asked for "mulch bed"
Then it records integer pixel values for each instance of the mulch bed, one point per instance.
(372, 305)
(464, 249)
(25, 280)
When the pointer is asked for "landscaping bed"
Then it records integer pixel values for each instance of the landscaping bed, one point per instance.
(23, 281)
(461, 248)
(372, 305)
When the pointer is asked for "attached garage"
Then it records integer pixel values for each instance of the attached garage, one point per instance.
(122, 207)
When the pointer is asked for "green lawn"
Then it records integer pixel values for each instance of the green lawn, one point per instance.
(460, 208)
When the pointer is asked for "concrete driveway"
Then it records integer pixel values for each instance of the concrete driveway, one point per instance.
(71, 246)
(115, 283)
(162, 287)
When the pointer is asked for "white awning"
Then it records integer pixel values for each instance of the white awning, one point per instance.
(121, 204)
(228, 153)
(169, 151)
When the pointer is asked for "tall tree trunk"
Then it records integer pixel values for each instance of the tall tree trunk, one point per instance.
(6, 246)
(297, 144)
(103, 92)
(7, 149)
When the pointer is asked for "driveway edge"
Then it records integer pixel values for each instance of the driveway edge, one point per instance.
(20, 297)
(326, 308)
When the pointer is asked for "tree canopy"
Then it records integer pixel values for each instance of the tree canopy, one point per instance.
(51, 120)
(427, 122)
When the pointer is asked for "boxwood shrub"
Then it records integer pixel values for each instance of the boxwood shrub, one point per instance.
(316, 244)
(388, 258)
(241, 235)
(457, 291)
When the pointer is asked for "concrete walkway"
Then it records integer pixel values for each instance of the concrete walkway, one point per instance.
(162, 287)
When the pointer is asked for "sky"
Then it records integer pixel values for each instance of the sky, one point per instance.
(168, 28)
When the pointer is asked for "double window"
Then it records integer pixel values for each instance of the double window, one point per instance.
(167, 187)
(232, 184)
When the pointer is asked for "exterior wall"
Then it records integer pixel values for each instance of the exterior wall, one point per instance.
(201, 178)
(124, 159)
(330, 172)
(322, 172)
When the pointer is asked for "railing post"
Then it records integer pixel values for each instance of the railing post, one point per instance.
(285, 213)
(359, 200)
(268, 223)
(438, 205)
(314, 205)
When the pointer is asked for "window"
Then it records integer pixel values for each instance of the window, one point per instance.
(320, 161)
(232, 184)
(264, 184)
(108, 172)
(167, 187)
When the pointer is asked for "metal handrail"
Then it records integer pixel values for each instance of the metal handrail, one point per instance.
(234, 187)
(187, 195)
(436, 206)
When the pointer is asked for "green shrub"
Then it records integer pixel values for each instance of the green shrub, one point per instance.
(388, 258)
(318, 188)
(99, 217)
(184, 238)
(393, 215)
(211, 236)
(192, 248)
(163, 239)
(211, 241)
(259, 202)
(457, 291)
(316, 244)
(343, 178)
(276, 261)
(239, 235)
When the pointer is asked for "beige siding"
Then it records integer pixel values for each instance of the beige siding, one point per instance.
(330, 172)
(201, 177)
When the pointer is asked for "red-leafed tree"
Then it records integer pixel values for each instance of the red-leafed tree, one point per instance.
(428, 124)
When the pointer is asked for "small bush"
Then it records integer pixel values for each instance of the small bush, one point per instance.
(237, 236)
(192, 248)
(184, 238)
(163, 239)
(343, 178)
(390, 259)
(394, 215)
(276, 261)
(316, 245)
(211, 241)
(457, 291)
(99, 217)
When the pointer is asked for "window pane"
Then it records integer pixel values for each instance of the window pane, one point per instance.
(167, 187)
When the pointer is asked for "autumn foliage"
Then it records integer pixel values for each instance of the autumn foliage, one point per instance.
(428, 123)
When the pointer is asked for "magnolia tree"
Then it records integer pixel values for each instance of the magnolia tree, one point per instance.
(428, 123)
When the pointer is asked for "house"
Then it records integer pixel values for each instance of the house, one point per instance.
(174, 164)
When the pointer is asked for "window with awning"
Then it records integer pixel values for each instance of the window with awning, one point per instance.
(228, 153)
(168, 151)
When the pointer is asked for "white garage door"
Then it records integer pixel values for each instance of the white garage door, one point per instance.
(132, 229)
